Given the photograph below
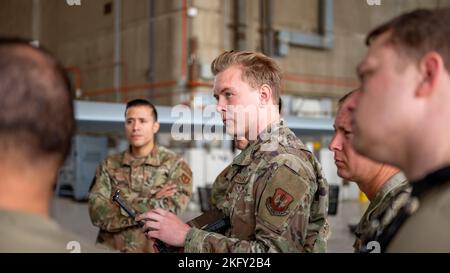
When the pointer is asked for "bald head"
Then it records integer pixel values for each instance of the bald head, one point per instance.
(36, 118)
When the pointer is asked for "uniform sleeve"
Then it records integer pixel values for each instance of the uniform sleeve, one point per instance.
(282, 212)
(180, 175)
(318, 230)
(104, 214)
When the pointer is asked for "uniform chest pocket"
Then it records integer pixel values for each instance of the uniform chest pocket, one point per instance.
(157, 177)
(153, 179)
(243, 212)
(240, 179)
(119, 178)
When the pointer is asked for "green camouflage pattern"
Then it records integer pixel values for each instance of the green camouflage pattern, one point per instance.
(219, 189)
(388, 200)
(139, 180)
(276, 198)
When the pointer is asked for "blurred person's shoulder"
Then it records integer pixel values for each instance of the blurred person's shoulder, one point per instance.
(26, 232)
(427, 229)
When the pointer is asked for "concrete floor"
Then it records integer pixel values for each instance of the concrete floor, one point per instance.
(75, 217)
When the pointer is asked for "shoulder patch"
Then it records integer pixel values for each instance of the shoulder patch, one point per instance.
(186, 173)
(185, 179)
(283, 195)
(279, 202)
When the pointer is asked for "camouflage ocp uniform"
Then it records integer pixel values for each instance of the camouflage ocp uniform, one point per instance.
(219, 189)
(139, 180)
(277, 200)
(388, 200)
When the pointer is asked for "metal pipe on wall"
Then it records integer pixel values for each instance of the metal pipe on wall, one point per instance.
(36, 20)
(117, 48)
(226, 24)
(240, 26)
(184, 40)
(266, 21)
(321, 40)
(151, 48)
(300, 78)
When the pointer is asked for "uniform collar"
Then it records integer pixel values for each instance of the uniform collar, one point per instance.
(152, 159)
(245, 157)
(248, 154)
(392, 183)
(395, 181)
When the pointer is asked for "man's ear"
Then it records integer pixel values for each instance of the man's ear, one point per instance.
(265, 94)
(156, 127)
(431, 67)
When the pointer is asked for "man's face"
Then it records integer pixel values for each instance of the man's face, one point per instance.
(140, 126)
(237, 101)
(384, 105)
(350, 165)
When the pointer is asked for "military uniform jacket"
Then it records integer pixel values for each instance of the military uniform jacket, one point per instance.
(139, 180)
(277, 200)
(389, 199)
(219, 189)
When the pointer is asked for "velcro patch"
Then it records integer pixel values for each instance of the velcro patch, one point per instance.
(281, 198)
(185, 178)
(186, 173)
(279, 202)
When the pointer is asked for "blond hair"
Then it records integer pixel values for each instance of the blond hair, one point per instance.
(257, 69)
